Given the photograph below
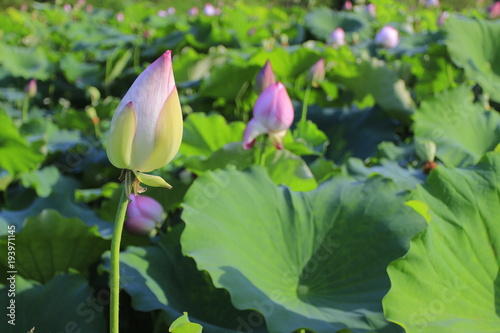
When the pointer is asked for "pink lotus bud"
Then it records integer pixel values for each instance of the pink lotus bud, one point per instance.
(431, 3)
(337, 38)
(162, 13)
(316, 73)
(347, 5)
(272, 114)
(146, 129)
(89, 8)
(210, 10)
(171, 10)
(265, 78)
(442, 18)
(120, 17)
(143, 215)
(494, 10)
(193, 11)
(371, 9)
(387, 37)
(67, 7)
(31, 88)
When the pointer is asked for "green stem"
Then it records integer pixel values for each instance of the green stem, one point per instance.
(262, 150)
(305, 103)
(26, 104)
(115, 256)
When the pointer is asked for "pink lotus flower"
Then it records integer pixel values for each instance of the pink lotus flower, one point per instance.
(272, 114)
(67, 7)
(193, 11)
(316, 73)
(265, 78)
(171, 10)
(494, 10)
(387, 37)
(143, 215)
(146, 129)
(337, 37)
(347, 5)
(210, 10)
(120, 17)
(162, 13)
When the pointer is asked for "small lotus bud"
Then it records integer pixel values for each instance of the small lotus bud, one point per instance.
(265, 78)
(347, 5)
(193, 11)
(144, 214)
(272, 114)
(387, 37)
(31, 88)
(120, 17)
(316, 73)
(371, 9)
(494, 10)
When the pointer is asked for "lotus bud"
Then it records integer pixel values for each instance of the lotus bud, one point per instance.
(316, 73)
(67, 7)
(31, 88)
(146, 129)
(265, 78)
(162, 13)
(387, 37)
(442, 18)
(272, 114)
(171, 10)
(193, 11)
(347, 5)
(371, 9)
(426, 151)
(337, 37)
(210, 10)
(144, 214)
(120, 17)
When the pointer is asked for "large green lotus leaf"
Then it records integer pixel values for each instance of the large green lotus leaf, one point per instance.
(462, 130)
(49, 244)
(27, 63)
(205, 134)
(473, 44)
(64, 304)
(16, 155)
(323, 21)
(288, 63)
(41, 180)
(62, 200)
(160, 277)
(228, 80)
(353, 133)
(449, 281)
(311, 260)
(389, 91)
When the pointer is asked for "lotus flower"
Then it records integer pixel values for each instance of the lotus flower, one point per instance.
(272, 114)
(494, 10)
(316, 73)
(387, 37)
(193, 11)
(210, 10)
(347, 5)
(67, 7)
(337, 38)
(265, 78)
(120, 17)
(146, 129)
(143, 215)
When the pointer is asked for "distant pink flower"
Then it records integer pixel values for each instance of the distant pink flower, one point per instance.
(193, 11)
(272, 114)
(442, 18)
(210, 10)
(143, 215)
(120, 17)
(162, 13)
(89, 8)
(24, 7)
(80, 3)
(67, 7)
(265, 78)
(494, 10)
(371, 9)
(347, 5)
(316, 73)
(337, 37)
(387, 37)
(171, 10)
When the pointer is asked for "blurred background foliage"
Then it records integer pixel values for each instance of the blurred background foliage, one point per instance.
(186, 4)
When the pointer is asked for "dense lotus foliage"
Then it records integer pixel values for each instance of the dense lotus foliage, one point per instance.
(369, 203)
